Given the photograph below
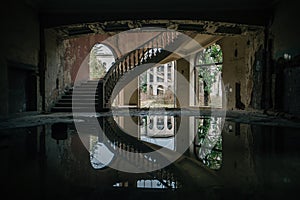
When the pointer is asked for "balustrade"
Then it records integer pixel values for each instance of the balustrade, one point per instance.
(141, 55)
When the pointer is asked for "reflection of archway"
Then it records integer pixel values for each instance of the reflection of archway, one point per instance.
(101, 59)
(169, 123)
(160, 123)
(159, 130)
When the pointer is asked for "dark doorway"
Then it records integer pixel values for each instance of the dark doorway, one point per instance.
(22, 88)
(238, 102)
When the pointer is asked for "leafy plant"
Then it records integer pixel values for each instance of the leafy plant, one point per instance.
(206, 138)
(208, 74)
(97, 68)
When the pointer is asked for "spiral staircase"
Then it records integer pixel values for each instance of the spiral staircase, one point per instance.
(98, 95)
(136, 62)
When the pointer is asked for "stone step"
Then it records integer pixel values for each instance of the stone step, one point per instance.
(59, 104)
(85, 96)
(70, 109)
(93, 81)
(81, 92)
(84, 88)
(92, 84)
(77, 100)
(87, 86)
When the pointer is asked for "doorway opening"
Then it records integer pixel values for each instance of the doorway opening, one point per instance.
(157, 86)
(102, 58)
(22, 91)
(208, 73)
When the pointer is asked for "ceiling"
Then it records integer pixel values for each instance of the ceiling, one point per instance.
(57, 12)
(189, 27)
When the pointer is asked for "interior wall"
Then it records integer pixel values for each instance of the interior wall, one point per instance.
(77, 51)
(19, 44)
(240, 67)
(284, 34)
(22, 91)
(54, 74)
(285, 29)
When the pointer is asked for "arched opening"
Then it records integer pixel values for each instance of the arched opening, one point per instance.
(102, 58)
(160, 123)
(151, 123)
(208, 70)
(160, 90)
(169, 123)
(156, 86)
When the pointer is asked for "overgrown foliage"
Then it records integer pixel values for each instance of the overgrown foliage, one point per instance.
(97, 68)
(208, 74)
(207, 138)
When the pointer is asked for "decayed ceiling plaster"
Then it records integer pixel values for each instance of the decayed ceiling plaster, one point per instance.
(189, 27)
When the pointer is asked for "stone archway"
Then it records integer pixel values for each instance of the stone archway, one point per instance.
(101, 58)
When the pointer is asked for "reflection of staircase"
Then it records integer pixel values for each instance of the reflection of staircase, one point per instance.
(144, 56)
(85, 98)
(167, 176)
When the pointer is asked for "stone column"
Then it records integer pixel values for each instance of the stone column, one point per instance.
(165, 77)
(154, 81)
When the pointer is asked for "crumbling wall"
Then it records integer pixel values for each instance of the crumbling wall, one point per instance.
(238, 72)
(77, 50)
(19, 45)
(54, 74)
(284, 33)
(77, 54)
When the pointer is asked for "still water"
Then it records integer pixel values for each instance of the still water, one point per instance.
(222, 159)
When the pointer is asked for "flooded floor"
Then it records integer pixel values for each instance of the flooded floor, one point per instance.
(220, 159)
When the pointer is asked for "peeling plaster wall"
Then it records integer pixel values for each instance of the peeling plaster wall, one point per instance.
(76, 57)
(54, 74)
(78, 49)
(19, 44)
(77, 54)
(238, 62)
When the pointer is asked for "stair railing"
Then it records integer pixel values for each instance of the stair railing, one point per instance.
(141, 55)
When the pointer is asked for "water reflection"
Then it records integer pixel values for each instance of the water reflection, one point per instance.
(100, 155)
(150, 184)
(158, 130)
(126, 136)
(59, 131)
(122, 149)
(208, 142)
(258, 162)
(155, 184)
